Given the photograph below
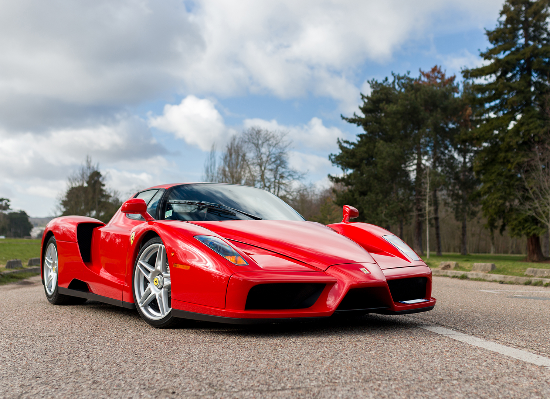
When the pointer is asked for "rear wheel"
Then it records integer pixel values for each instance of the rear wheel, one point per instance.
(50, 271)
(152, 285)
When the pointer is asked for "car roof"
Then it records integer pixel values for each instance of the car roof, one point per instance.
(175, 184)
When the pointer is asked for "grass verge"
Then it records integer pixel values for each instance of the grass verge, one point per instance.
(511, 265)
(15, 277)
(15, 248)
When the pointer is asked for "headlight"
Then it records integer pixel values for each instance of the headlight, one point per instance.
(401, 246)
(221, 248)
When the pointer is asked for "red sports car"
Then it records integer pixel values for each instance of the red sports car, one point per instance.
(232, 254)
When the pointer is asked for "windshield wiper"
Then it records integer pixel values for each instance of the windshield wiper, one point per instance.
(215, 206)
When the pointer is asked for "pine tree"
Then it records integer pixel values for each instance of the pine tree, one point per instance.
(510, 91)
(376, 179)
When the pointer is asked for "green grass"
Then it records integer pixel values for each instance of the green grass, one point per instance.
(511, 265)
(13, 248)
(12, 278)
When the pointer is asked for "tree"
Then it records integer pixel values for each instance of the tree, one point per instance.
(537, 181)
(375, 178)
(510, 91)
(4, 204)
(18, 224)
(408, 126)
(316, 205)
(258, 157)
(463, 183)
(86, 194)
(442, 107)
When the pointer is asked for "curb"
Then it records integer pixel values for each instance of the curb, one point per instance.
(27, 270)
(491, 277)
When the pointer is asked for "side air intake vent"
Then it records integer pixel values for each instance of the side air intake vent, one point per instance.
(406, 289)
(283, 296)
(78, 285)
(364, 299)
(84, 237)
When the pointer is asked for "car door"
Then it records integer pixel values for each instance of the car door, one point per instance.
(113, 242)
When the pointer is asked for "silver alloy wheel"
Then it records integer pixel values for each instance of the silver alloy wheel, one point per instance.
(50, 269)
(152, 282)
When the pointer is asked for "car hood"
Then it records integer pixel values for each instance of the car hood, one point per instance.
(308, 242)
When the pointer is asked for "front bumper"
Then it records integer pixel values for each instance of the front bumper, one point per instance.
(369, 292)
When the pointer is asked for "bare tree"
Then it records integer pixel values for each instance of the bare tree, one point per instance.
(258, 157)
(267, 160)
(234, 166)
(210, 166)
(537, 182)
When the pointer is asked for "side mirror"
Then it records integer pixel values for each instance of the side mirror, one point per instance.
(349, 213)
(136, 205)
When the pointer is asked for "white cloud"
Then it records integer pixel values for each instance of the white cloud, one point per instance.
(308, 163)
(197, 121)
(454, 63)
(313, 135)
(71, 64)
(65, 62)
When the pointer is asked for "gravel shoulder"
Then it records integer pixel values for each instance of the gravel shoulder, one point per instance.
(96, 350)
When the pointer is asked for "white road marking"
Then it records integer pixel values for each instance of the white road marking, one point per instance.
(492, 346)
(501, 291)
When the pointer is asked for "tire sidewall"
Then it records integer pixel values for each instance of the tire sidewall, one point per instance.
(54, 297)
(168, 319)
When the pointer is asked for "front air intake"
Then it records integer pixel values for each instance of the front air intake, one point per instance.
(405, 289)
(283, 296)
(368, 298)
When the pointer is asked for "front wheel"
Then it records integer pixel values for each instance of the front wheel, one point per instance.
(152, 285)
(50, 271)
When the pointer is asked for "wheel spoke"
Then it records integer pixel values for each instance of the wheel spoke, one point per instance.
(145, 269)
(161, 259)
(48, 262)
(162, 300)
(166, 280)
(147, 297)
(50, 279)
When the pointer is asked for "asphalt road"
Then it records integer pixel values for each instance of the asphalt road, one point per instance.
(97, 350)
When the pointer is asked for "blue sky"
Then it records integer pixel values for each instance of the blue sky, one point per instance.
(146, 87)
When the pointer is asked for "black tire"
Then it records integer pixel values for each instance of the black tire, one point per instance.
(55, 298)
(167, 321)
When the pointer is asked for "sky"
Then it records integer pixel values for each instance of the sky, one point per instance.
(146, 87)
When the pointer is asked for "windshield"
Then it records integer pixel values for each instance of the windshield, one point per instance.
(217, 202)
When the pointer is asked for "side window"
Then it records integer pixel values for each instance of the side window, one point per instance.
(154, 203)
(146, 196)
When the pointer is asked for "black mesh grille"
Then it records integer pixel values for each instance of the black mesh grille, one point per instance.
(408, 288)
(283, 295)
(364, 299)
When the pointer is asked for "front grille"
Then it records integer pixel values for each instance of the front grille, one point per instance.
(283, 296)
(408, 288)
(364, 299)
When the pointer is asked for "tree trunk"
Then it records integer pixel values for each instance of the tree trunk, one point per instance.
(464, 242)
(401, 229)
(436, 224)
(546, 244)
(534, 252)
(417, 237)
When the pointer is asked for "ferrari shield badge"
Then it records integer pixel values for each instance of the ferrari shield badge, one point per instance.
(364, 270)
(132, 236)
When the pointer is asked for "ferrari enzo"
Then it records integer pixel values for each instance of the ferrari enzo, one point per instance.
(232, 254)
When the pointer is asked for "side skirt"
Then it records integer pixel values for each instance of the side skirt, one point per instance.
(95, 297)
